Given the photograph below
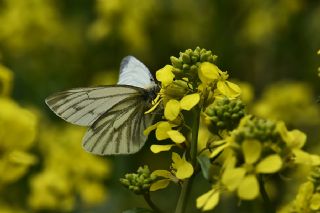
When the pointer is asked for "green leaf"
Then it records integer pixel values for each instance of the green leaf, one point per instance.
(138, 210)
(205, 164)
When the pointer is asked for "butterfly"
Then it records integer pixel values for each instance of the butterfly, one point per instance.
(114, 114)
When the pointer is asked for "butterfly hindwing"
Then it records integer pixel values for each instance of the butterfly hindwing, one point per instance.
(120, 130)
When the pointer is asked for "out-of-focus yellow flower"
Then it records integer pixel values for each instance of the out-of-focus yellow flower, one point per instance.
(51, 189)
(18, 127)
(131, 25)
(22, 16)
(295, 140)
(247, 93)
(209, 200)
(275, 17)
(306, 200)
(5, 81)
(68, 179)
(291, 102)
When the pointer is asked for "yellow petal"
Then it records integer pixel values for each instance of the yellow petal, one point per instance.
(165, 75)
(162, 129)
(315, 202)
(218, 150)
(297, 139)
(172, 110)
(232, 178)
(208, 72)
(160, 184)
(189, 101)
(183, 167)
(162, 173)
(270, 164)
(249, 188)
(208, 200)
(229, 89)
(302, 157)
(251, 150)
(161, 148)
(176, 136)
(304, 194)
(150, 129)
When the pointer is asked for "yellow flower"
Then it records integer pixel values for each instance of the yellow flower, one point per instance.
(5, 81)
(172, 110)
(165, 75)
(244, 178)
(173, 107)
(209, 200)
(295, 140)
(210, 73)
(228, 89)
(181, 169)
(18, 126)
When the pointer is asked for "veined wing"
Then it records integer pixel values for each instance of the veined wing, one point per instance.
(134, 73)
(120, 130)
(83, 106)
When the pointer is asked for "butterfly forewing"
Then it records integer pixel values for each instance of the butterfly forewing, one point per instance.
(85, 105)
(134, 73)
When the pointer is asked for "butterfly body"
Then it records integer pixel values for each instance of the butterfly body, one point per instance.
(114, 114)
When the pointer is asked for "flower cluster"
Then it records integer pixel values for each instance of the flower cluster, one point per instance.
(140, 181)
(192, 82)
(224, 114)
(308, 196)
(205, 120)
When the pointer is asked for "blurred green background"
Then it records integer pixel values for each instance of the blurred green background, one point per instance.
(46, 46)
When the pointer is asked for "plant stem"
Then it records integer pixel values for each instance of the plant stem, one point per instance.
(151, 204)
(269, 206)
(194, 140)
(186, 186)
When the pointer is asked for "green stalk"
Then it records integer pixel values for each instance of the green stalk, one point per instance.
(267, 202)
(151, 204)
(186, 186)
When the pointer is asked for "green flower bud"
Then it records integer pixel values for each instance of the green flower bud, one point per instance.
(185, 58)
(187, 65)
(224, 114)
(257, 128)
(176, 62)
(140, 181)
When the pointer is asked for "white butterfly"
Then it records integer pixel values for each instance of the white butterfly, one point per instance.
(114, 114)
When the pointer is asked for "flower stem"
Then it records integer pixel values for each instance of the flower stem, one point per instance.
(194, 140)
(186, 186)
(268, 204)
(151, 204)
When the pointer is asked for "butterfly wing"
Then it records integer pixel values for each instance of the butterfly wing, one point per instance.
(83, 106)
(115, 115)
(120, 130)
(134, 73)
